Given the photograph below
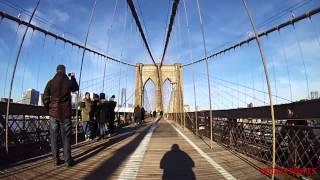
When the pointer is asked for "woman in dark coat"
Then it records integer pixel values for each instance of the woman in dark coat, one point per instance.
(112, 115)
(143, 112)
(103, 111)
(137, 114)
(95, 116)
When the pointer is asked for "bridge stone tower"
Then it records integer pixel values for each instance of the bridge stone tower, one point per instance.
(173, 73)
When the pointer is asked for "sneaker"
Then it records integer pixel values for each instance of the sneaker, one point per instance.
(58, 162)
(71, 163)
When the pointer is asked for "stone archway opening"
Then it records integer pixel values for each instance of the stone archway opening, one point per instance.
(149, 95)
(146, 72)
(167, 96)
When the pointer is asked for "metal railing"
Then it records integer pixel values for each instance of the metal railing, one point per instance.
(28, 124)
(249, 131)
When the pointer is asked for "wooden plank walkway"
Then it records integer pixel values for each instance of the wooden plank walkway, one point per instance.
(170, 156)
(167, 155)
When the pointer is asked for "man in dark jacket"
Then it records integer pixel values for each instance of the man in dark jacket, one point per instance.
(143, 112)
(154, 114)
(103, 110)
(57, 100)
(95, 113)
(112, 114)
(137, 114)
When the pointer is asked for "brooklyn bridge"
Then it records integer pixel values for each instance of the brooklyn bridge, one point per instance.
(201, 89)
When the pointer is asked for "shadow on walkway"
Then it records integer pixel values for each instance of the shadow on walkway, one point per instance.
(177, 164)
(106, 169)
(77, 151)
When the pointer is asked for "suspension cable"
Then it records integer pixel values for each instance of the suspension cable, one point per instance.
(244, 86)
(11, 55)
(303, 60)
(24, 67)
(108, 41)
(265, 33)
(62, 38)
(193, 69)
(315, 31)
(81, 65)
(172, 18)
(265, 67)
(136, 18)
(14, 72)
(207, 69)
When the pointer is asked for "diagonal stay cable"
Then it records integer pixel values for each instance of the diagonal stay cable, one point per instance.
(308, 14)
(136, 18)
(60, 37)
(172, 17)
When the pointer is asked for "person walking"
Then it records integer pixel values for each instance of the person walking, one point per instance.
(86, 107)
(154, 114)
(57, 101)
(112, 114)
(143, 112)
(95, 114)
(137, 114)
(103, 110)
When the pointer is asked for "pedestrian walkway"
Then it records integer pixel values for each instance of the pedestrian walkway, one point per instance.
(154, 151)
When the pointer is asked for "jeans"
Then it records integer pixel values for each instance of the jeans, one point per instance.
(86, 128)
(102, 129)
(111, 126)
(65, 130)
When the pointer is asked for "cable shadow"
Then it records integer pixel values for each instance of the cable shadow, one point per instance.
(177, 164)
(95, 150)
(81, 156)
(235, 153)
(105, 170)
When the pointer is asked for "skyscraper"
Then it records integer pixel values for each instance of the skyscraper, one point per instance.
(123, 97)
(31, 96)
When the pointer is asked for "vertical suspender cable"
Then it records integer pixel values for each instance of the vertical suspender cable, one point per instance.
(14, 72)
(191, 57)
(287, 67)
(5, 81)
(108, 43)
(119, 94)
(265, 67)
(207, 68)
(24, 67)
(82, 58)
(303, 60)
(315, 31)
(42, 54)
(274, 80)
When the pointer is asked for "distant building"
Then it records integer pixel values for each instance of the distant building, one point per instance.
(123, 97)
(74, 100)
(314, 94)
(40, 103)
(199, 108)
(6, 100)
(31, 96)
(186, 108)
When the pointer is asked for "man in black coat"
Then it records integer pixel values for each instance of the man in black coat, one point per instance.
(154, 114)
(112, 114)
(143, 112)
(95, 114)
(137, 114)
(57, 100)
(103, 115)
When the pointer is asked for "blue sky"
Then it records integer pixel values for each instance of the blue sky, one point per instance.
(225, 22)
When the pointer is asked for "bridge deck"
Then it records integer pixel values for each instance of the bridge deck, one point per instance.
(154, 151)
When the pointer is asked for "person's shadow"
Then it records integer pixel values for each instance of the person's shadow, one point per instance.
(177, 164)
